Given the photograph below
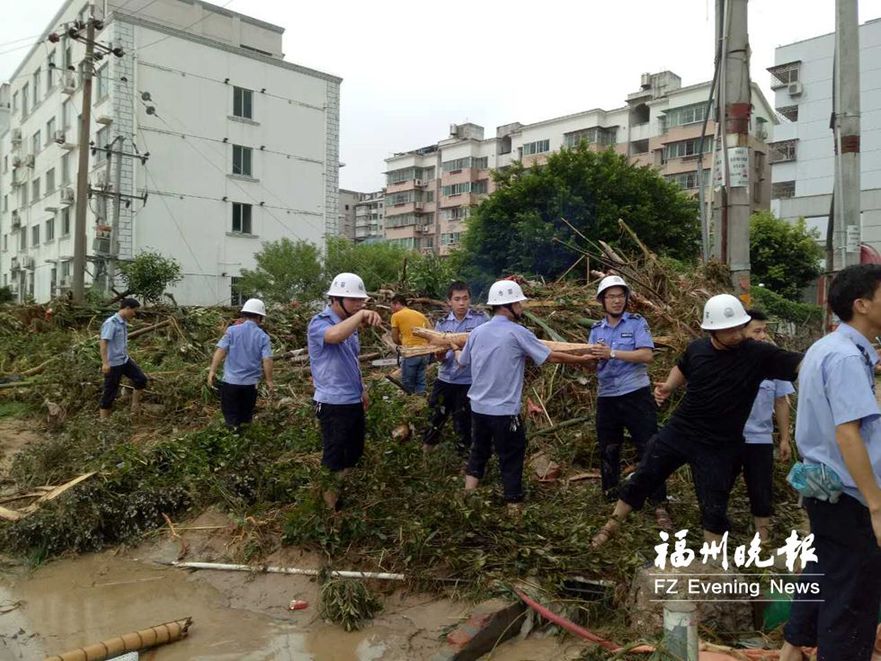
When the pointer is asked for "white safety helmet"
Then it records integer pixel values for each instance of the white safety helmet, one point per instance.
(504, 292)
(254, 306)
(347, 285)
(611, 281)
(724, 311)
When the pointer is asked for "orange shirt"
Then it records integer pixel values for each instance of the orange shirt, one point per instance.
(405, 321)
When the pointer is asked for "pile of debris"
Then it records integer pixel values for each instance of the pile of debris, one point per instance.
(404, 511)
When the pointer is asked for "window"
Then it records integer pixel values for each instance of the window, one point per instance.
(236, 298)
(15, 102)
(690, 114)
(36, 87)
(102, 83)
(537, 147)
(242, 102)
(68, 55)
(35, 190)
(465, 163)
(784, 74)
(403, 220)
(5, 164)
(65, 114)
(65, 224)
(782, 190)
(456, 213)
(101, 143)
(50, 229)
(36, 144)
(450, 239)
(65, 168)
(409, 174)
(241, 160)
(50, 71)
(50, 130)
(241, 218)
(23, 196)
(688, 180)
(65, 268)
(50, 180)
(592, 136)
(685, 148)
(24, 99)
(35, 236)
(23, 240)
(408, 243)
(476, 187)
(783, 151)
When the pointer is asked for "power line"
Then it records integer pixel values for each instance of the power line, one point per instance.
(175, 221)
(228, 82)
(220, 199)
(225, 141)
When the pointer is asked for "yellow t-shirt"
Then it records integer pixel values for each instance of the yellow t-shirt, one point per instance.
(405, 321)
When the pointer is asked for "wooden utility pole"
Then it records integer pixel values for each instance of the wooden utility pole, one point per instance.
(732, 211)
(847, 229)
(82, 177)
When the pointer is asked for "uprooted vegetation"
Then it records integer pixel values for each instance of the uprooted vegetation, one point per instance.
(404, 511)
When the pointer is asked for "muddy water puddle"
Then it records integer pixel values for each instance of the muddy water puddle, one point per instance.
(236, 616)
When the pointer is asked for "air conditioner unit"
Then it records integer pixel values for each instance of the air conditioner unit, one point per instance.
(27, 262)
(67, 195)
(13, 264)
(103, 119)
(795, 89)
(69, 83)
(16, 219)
(29, 161)
(16, 161)
(419, 206)
(417, 182)
(60, 137)
(16, 135)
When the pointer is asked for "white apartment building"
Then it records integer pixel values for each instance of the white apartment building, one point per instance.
(369, 214)
(243, 146)
(431, 191)
(803, 154)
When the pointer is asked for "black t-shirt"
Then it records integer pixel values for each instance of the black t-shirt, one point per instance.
(722, 386)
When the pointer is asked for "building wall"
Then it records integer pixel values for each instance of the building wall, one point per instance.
(293, 136)
(813, 164)
(348, 200)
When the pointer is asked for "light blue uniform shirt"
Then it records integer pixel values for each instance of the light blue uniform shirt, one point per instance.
(115, 331)
(617, 377)
(451, 371)
(836, 385)
(497, 353)
(759, 426)
(246, 346)
(336, 372)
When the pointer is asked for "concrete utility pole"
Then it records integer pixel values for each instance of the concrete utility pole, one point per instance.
(82, 177)
(846, 126)
(732, 209)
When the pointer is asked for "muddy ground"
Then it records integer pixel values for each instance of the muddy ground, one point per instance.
(237, 616)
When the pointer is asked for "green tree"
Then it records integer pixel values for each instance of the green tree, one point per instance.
(783, 256)
(513, 230)
(430, 274)
(378, 264)
(149, 274)
(286, 271)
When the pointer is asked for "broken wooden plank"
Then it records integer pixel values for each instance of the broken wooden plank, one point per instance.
(10, 515)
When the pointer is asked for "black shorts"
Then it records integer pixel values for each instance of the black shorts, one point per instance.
(342, 433)
(111, 381)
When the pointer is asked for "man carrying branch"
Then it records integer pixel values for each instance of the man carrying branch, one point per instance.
(496, 352)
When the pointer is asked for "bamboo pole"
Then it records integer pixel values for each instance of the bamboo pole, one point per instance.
(286, 570)
(438, 339)
(161, 634)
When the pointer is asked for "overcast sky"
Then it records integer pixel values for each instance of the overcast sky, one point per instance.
(410, 69)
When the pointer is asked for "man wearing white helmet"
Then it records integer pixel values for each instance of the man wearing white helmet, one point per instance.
(496, 352)
(722, 373)
(246, 354)
(340, 398)
(624, 398)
